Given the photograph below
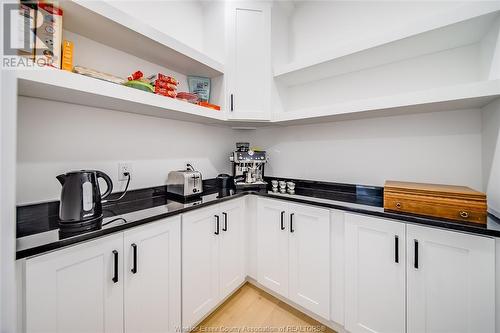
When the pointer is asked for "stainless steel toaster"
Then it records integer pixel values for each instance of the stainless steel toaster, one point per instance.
(185, 183)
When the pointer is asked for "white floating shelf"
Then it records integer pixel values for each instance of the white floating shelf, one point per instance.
(63, 86)
(465, 25)
(109, 25)
(464, 96)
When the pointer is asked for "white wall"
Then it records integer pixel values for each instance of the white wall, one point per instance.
(55, 137)
(349, 21)
(442, 147)
(182, 19)
(491, 155)
(197, 23)
(113, 61)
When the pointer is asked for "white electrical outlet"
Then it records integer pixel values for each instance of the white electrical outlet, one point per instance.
(123, 168)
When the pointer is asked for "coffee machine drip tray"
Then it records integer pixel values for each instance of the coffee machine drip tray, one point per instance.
(251, 186)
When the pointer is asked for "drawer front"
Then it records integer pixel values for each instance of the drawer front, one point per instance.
(454, 210)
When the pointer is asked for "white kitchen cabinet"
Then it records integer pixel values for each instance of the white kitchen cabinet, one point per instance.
(337, 256)
(309, 258)
(375, 265)
(212, 258)
(232, 254)
(294, 253)
(272, 245)
(77, 289)
(200, 265)
(248, 61)
(451, 282)
(152, 277)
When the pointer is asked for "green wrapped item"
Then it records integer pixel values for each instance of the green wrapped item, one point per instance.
(136, 84)
(200, 86)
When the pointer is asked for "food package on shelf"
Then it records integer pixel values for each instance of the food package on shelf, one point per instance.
(98, 75)
(67, 56)
(48, 35)
(200, 86)
(137, 75)
(27, 20)
(165, 92)
(141, 85)
(188, 97)
(165, 85)
(162, 77)
(208, 105)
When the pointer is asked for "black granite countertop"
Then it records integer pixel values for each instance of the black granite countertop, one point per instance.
(38, 227)
(38, 230)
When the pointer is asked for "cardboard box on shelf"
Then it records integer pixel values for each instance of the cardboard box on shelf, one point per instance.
(26, 35)
(48, 35)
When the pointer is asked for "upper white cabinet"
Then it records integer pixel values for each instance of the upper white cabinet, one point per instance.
(294, 253)
(451, 282)
(78, 289)
(374, 275)
(152, 275)
(212, 258)
(248, 60)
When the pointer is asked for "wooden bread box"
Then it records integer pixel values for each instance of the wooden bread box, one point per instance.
(459, 203)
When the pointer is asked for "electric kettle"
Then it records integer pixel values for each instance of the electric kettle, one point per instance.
(81, 196)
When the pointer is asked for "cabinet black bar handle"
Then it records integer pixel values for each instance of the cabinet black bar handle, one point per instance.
(396, 249)
(282, 220)
(224, 228)
(115, 264)
(134, 268)
(232, 105)
(291, 222)
(216, 224)
(415, 263)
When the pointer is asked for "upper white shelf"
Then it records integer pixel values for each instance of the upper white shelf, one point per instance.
(463, 96)
(465, 25)
(109, 25)
(63, 86)
(73, 88)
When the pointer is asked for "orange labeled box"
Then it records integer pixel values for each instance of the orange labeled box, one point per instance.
(67, 56)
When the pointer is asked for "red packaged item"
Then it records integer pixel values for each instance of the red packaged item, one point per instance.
(135, 76)
(165, 92)
(165, 84)
(163, 77)
(188, 97)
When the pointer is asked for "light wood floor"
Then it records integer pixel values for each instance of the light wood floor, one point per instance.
(251, 309)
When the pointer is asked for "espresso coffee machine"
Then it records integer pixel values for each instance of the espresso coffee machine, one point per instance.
(248, 167)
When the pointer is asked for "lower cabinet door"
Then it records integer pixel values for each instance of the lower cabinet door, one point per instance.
(375, 275)
(309, 257)
(451, 282)
(77, 289)
(153, 277)
(231, 247)
(272, 245)
(201, 230)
